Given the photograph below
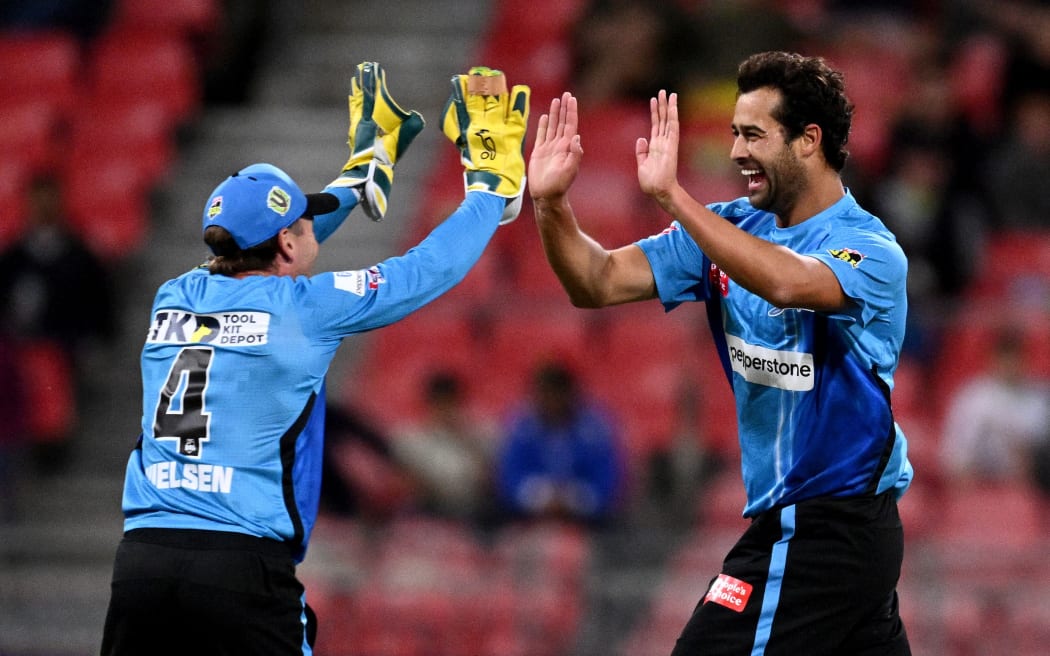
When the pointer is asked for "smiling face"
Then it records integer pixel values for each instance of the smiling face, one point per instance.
(776, 177)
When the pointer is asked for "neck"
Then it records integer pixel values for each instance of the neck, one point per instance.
(824, 191)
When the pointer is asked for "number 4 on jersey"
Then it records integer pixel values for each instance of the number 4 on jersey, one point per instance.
(186, 420)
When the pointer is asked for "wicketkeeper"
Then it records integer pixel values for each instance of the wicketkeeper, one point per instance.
(222, 487)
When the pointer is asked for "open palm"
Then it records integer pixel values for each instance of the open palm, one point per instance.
(657, 157)
(556, 155)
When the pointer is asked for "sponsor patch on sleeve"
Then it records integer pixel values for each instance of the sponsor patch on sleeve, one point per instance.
(351, 281)
(729, 592)
(358, 282)
(848, 255)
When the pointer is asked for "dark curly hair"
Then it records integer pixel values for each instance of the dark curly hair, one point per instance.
(812, 92)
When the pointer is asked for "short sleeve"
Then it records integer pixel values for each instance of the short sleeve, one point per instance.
(872, 269)
(679, 267)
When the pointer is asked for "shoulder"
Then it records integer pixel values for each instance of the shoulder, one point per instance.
(741, 212)
(856, 234)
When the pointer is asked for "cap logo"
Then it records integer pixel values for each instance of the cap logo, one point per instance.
(279, 201)
(215, 209)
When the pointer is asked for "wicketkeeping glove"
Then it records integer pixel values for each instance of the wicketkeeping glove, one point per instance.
(488, 125)
(380, 132)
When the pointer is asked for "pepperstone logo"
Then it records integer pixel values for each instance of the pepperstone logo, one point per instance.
(848, 255)
(786, 370)
(279, 201)
(729, 592)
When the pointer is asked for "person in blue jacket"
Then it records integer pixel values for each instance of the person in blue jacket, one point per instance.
(561, 456)
(222, 489)
(806, 299)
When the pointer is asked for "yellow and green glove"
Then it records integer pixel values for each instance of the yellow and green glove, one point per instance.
(380, 132)
(488, 125)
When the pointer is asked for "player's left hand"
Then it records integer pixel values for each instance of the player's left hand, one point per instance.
(658, 156)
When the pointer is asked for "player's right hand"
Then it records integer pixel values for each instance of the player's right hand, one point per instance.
(557, 153)
(380, 132)
(488, 125)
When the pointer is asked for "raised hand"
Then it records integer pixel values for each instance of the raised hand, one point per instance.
(658, 156)
(556, 155)
(487, 123)
(380, 132)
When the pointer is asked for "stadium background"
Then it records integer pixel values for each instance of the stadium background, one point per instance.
(142, 105)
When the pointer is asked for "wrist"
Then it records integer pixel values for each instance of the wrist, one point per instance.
(553, 204)
(668, 198)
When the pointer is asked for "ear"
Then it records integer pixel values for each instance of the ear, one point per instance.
(809, 141)
(285, 246)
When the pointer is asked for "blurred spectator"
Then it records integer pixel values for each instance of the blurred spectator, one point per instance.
(929, 195)
(995, 419)
(12, 436)
(51, 285)
(360, 476)
(561, 458)
(448, 454)
(721, 34)
(1019, 167)
(677, 472)
(58, 303)
(1023, 26)
(1040, 465)
(233, 62)
(627, 50)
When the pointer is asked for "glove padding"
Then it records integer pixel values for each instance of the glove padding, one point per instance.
(380, 132)
(488, 125)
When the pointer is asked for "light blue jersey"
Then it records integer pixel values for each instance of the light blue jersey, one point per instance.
(812, 389)
(233, 374)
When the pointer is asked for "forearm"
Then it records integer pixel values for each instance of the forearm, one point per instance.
(591, 275)
(454, 246)
(776, 273)
(576, 259)
(326, 224)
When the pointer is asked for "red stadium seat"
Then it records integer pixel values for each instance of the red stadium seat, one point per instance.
(530, 43)
(138, 129)
(146, 65)
(14, 181)
(108, 203)
(991, 533)
(402, 355)
(530, 272)
(40, 66)
(192, 18)
(1014, 265)
(966, 345)
(519, 340)
(29, 133)
(128, 128)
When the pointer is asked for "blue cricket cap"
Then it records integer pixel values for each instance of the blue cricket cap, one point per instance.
(257, 202)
